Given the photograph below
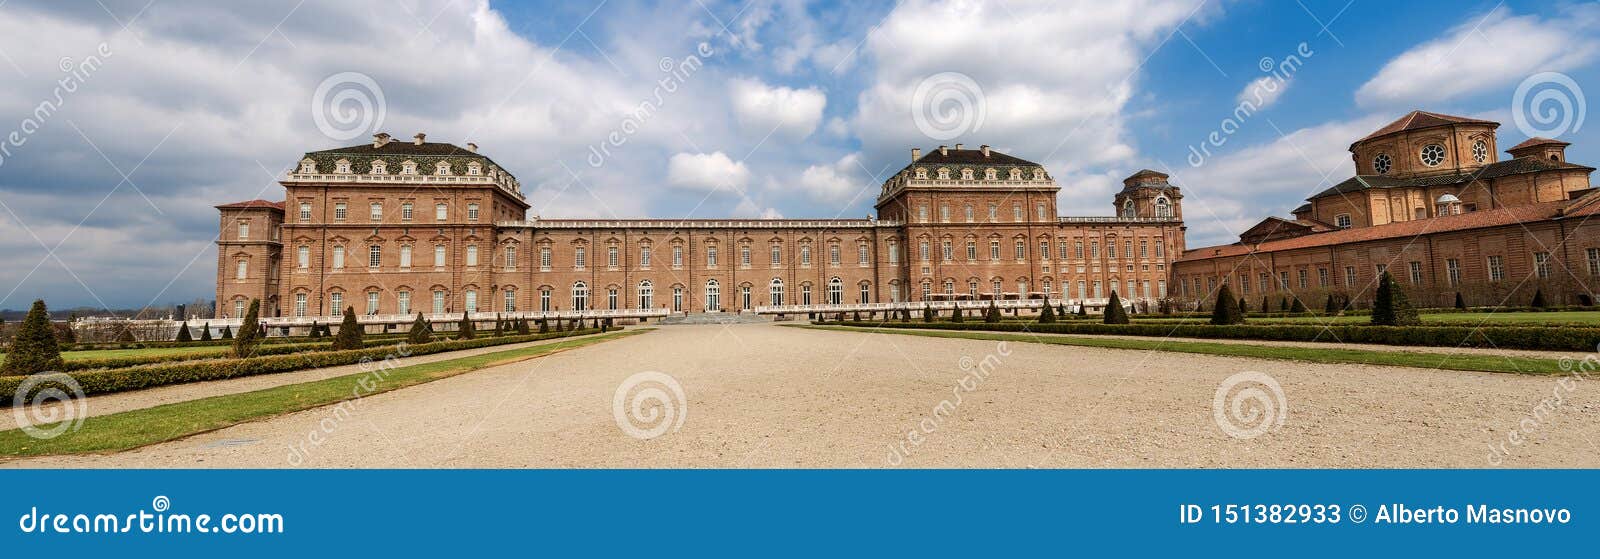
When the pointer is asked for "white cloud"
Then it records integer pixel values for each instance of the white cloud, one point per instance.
(1055, 78)
(1263, 91)
(838, 182)
(761, 108)
(708, 172)
(1233, 191)
(1485, 52)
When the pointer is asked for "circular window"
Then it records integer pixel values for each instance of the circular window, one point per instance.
(1382, 163)
(1432, 155)
(1480, 151)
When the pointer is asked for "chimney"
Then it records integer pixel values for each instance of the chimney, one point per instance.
(916, 153)
(958, 147)
(380, 139)
(472, 147)
(419, 138)
(985, 149)
(945, 151)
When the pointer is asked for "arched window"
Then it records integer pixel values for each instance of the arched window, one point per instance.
(511, 300)
(866, 292)
(1127, 208)
(713, 295)
(1163, 208)
(580, 296)
(835, 291)
(646, 290)
(777, 291)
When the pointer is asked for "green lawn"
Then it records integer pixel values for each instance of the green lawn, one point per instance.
(1561, 318)
(150, 351)
(136, 428)
(1399, 358)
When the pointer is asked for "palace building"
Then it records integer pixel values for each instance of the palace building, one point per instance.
(395, 227)
(1433, 204)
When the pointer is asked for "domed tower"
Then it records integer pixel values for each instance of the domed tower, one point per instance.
(1147, 194)
(1423, 143)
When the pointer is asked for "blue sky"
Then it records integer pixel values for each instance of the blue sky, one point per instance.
(799, 110)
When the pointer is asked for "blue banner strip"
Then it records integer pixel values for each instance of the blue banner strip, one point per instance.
(646, 513)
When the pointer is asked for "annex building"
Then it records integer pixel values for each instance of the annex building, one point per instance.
(1432, 203)
(399, 227)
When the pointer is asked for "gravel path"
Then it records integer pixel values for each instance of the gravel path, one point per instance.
(767, 396)
(151, 397)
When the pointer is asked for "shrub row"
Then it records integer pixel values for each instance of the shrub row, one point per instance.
(263, 350)
(1501, 337)
(105, 381)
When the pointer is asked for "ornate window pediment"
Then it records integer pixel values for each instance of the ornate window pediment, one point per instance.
(307, 166)
(379, 167)
(442, 169)
(474, 169)
(342, 166)
(408, 167)
(1016, 174)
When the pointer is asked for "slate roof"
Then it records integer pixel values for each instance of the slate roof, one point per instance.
(1417, 120)
(1494, 170)
(252, 204)
(970, 157)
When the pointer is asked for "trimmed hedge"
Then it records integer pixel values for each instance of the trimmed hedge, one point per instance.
(1501, 337)
(134, 378)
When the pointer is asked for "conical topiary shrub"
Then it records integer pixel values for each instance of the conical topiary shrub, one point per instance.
(1115, 314)
(125, 336)
(466, 331)
(1048, 315)
(1083, 310)
(227, 332)
(1461, 303)
(34, 348)
(1227, 311)
(956, 316)
(1391, 307)
(1297, 306)
(927, 313)
(249, 334)
(421, 332)
(350, 334)
(544, 326)
(183, 333)
(522, 327)
(1538, 299)
(205, 332)
(1244, 307)
(993, 316)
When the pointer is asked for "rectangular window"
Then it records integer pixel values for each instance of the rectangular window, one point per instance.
(438, 256)
(374, 256)
(922, 250)
(299, 304)
(372, 302)
(472, 255)
(711, 257)
(1283, 279)
(472, 212)
(1144, 248)
(404, 302)
(340, 211)
(510, 304)
(1160, 249)
(1111, 250)
(1349, 276)
(744, 255)
(1039, 212)
(1020, 249)
(1416, 271)
(1016, 212)
(1497, 270)
(1541, 264)
(305, 211)
(242, 269)
(580, 257)
(677, 257)
(438, 302)
(1594, 261)
(611, 256)
(472, 301)
(1044, 251)
(1061, 246)
(544, 258)
(777, 255)
(944, 214)
(948, 253)
(1077, 249)
(1302, 278)
(376, 213)
(1322, 277)
(894, 256)
(405, 256)
(544, 300)
(511, 256)
(994, 212)
(407, 211)
(336, 303)
(1161, 288)
(922, 214)
(1452, 269)
(244, 230)
(441, 212)
(338, 258)
(644, 257)
(833, 254)
(994, 250)
(1127, 248)
(1266, 282)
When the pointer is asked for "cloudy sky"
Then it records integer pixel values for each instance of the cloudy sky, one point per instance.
(161, 109)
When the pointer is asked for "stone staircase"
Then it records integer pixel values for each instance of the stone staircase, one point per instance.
(713, 318)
